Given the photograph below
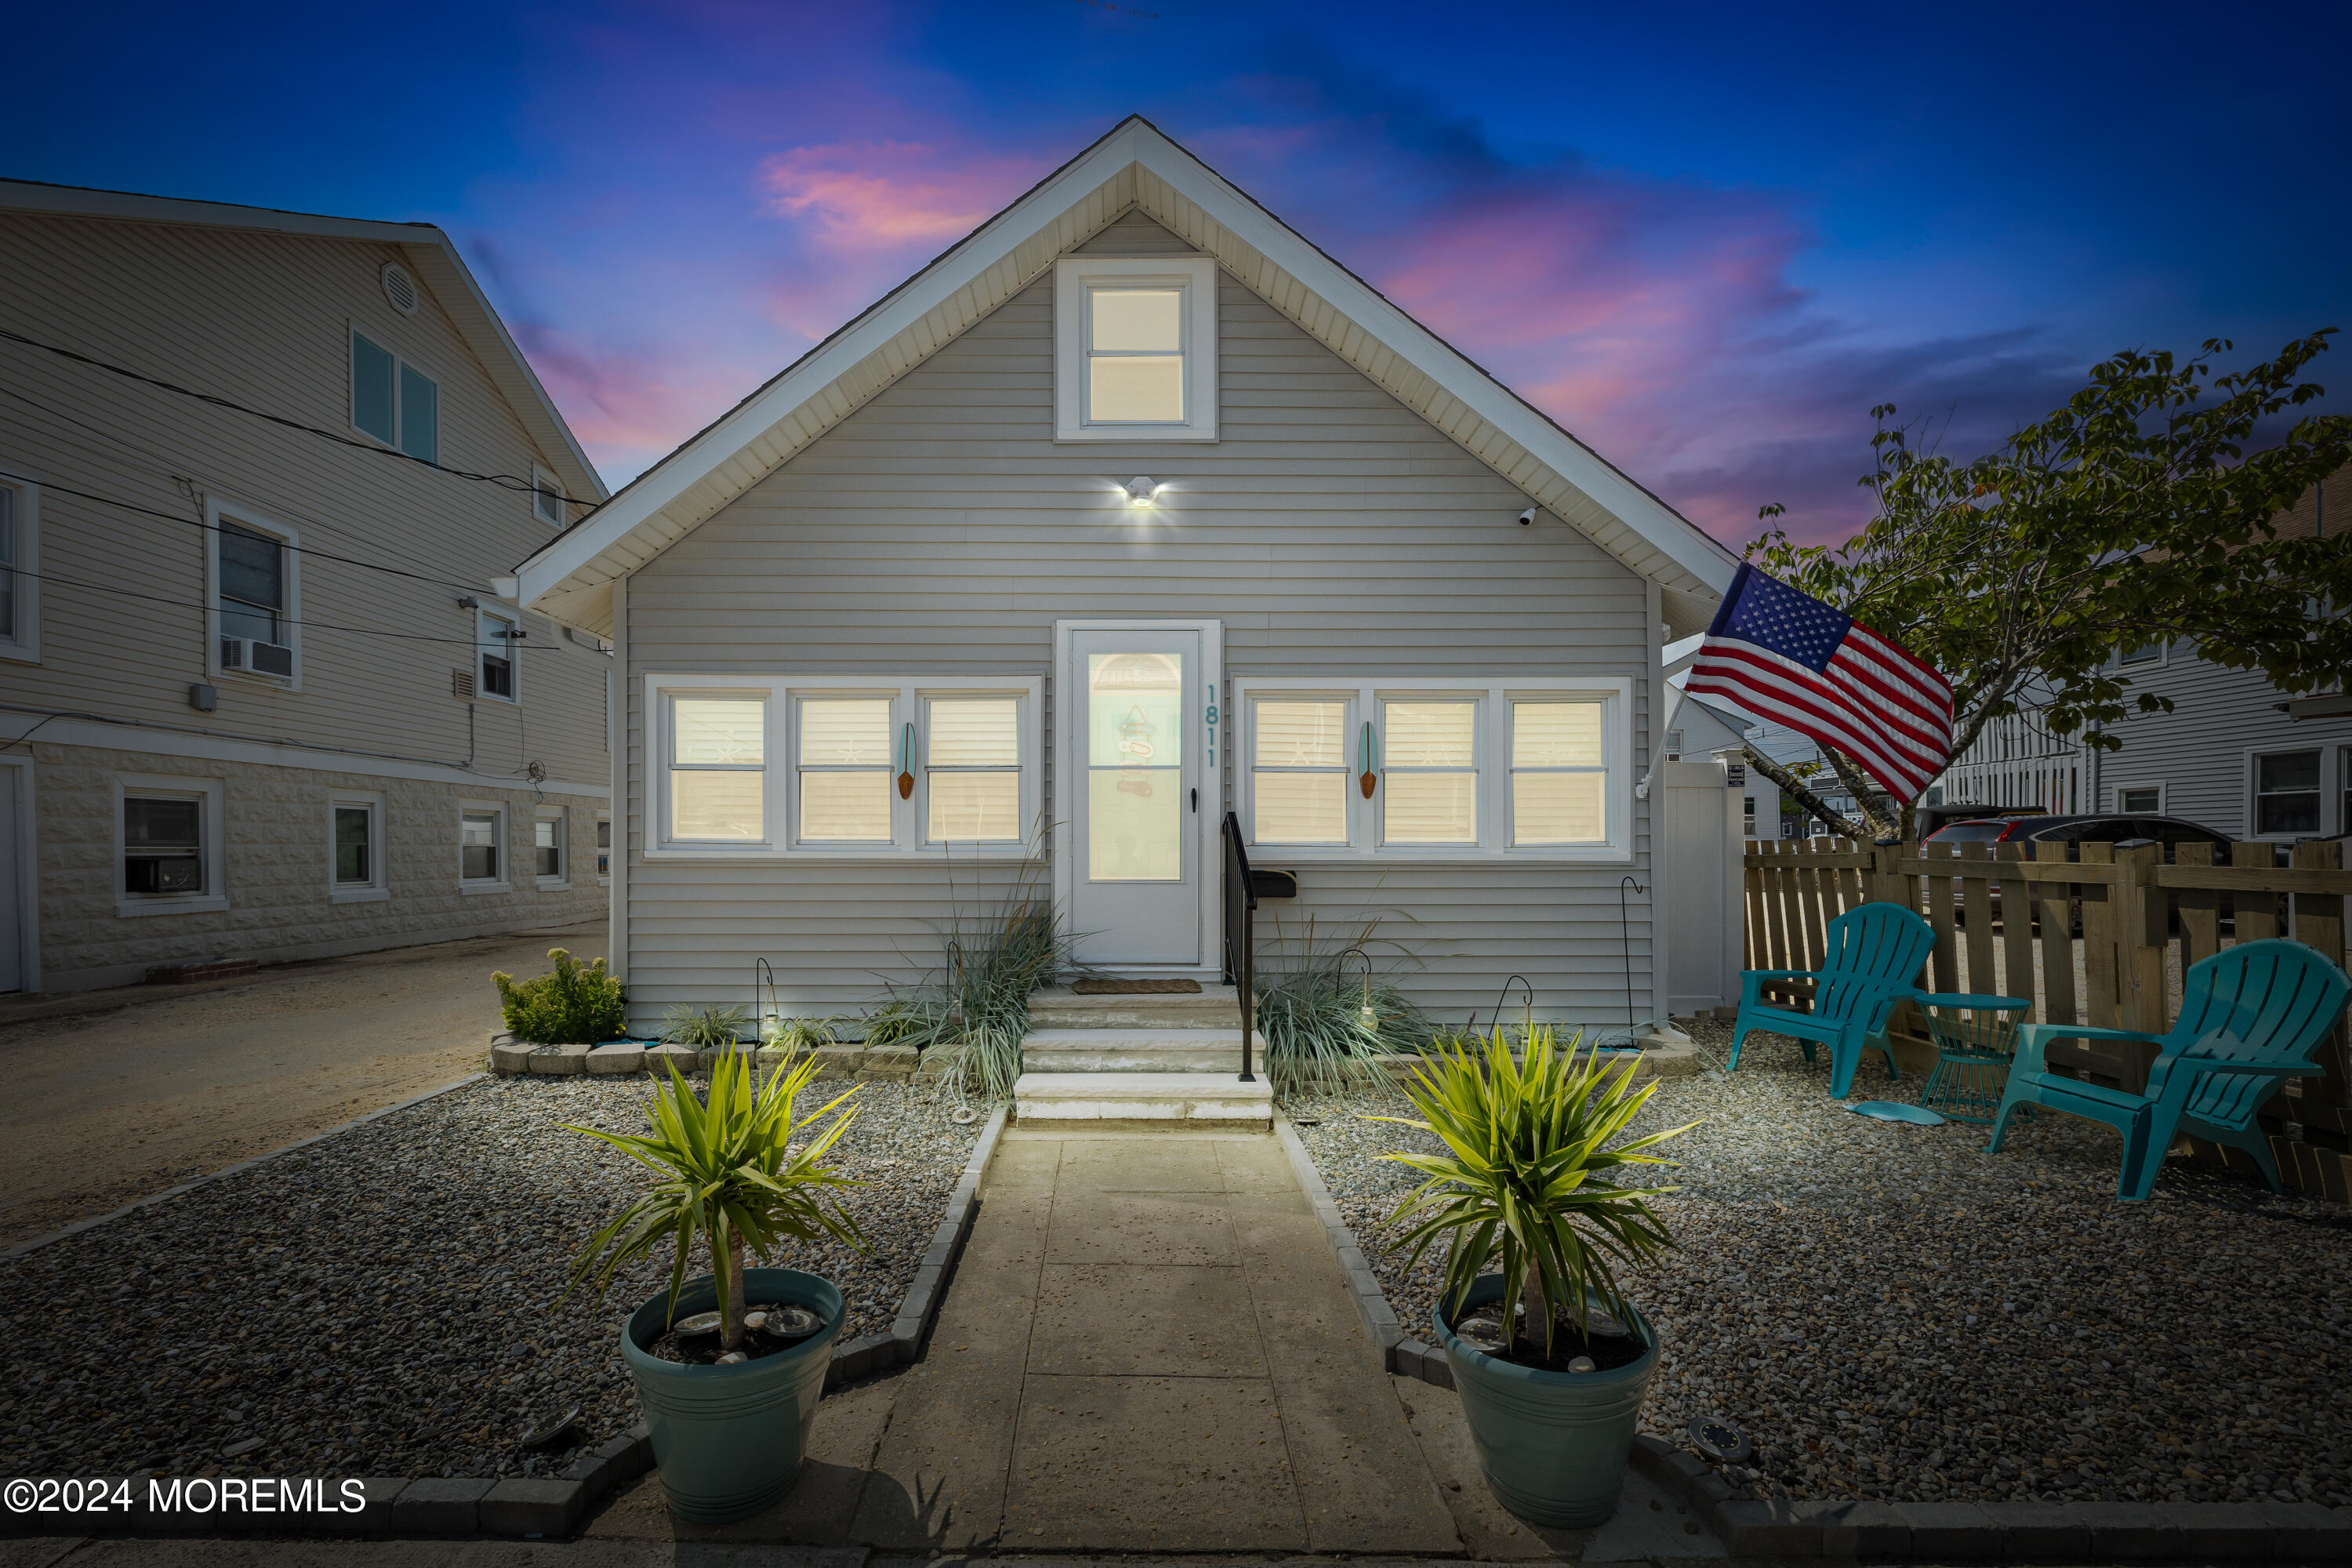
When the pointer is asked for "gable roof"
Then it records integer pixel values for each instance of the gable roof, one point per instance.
(429, 252)
(1134, 167)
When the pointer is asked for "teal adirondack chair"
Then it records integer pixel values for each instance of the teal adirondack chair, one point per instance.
(2249, 1016)
(1871, 961)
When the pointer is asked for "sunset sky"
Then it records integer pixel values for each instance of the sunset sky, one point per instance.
(1705, 238)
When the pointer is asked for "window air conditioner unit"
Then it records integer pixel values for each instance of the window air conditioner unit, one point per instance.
(261, 657)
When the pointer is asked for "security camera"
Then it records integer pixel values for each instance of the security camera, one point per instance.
(1527, 516)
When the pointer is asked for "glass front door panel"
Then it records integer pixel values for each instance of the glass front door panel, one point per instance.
(1135, 767)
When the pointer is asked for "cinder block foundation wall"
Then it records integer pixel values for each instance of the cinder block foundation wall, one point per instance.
(276, 869)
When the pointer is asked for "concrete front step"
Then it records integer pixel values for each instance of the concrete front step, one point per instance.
(1137, 1050)
(1154, 1098)
(1211, 1008)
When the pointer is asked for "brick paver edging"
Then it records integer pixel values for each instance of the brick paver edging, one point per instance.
(2072, 1533)
(531, 1506)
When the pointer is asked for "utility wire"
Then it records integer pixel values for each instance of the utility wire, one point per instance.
(56, 713)
(215, 528)
(172, 469)
(194, 605)
(504, 481)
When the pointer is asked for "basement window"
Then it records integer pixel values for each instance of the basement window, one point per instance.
(482, 848)
(168, 845)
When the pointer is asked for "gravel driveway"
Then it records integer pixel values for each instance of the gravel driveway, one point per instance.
(1893, 1313)
(387, 1302)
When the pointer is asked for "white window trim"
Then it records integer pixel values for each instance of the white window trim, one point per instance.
(217, 511)
(2332, 785)
(214, 822)
(541, 482)
(604, 820)
(562, 817)
(2120, 786)
(377, 887)
(780, 802)
(23, 828)
(2163, 657)
(505, 882)
(24, 646)
(1494, 768)
(354, 327)
(1197, 276)
(509, 616)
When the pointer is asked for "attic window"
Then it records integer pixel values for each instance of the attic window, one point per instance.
(1135, 349)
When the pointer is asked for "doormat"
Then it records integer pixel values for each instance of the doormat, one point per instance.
(1091, 987)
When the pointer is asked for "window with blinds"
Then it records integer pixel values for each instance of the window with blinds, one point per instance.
(1530, 769)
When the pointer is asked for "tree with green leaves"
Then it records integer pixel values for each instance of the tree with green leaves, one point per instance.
(2132, 515)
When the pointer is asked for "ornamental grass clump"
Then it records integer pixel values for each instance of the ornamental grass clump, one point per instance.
(705, 1028)
(978, 1008)
(1327, 1015)
(1526, 1186)
(730, 1182)
(573, 1006)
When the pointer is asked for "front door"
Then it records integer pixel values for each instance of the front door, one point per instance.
(1133, 795)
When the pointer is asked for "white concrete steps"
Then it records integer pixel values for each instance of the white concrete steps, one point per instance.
(1138, 1050)
(1211, 1008)
(1188, 1099)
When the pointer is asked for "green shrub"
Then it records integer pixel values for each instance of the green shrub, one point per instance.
(570, 1007)
(705, 1027)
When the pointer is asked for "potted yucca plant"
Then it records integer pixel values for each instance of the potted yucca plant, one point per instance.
(727, 1436)
(1527, 1198)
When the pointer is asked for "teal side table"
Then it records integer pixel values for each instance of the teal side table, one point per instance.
(1976, 1036)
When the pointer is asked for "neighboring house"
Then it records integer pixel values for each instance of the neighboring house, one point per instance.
(2016, 762)
(1132, 508)
(2235, 754)
(258, 699)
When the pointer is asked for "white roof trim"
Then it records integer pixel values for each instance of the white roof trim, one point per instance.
(428, 250)
(1133, 167)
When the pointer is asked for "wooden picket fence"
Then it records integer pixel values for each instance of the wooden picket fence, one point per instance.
(2142, 920)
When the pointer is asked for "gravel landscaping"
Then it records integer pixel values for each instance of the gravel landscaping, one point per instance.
(387, 1302)
(1893, 1313)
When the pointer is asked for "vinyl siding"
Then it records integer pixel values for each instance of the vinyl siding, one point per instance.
(2201, 752)
(940, 531)
(263, 319)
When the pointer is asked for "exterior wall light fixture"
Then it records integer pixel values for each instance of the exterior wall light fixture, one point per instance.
(1141, 491)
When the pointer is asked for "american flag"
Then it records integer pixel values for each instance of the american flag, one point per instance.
(1787, 656)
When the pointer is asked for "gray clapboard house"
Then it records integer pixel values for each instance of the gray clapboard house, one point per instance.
(1133, 509)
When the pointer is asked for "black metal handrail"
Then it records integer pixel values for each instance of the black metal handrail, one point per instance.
(1240, 933)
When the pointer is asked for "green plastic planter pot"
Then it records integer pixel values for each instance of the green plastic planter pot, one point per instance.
(1553, 1444)
(728, 1439)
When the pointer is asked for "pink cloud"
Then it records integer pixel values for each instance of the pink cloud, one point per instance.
(877, 196)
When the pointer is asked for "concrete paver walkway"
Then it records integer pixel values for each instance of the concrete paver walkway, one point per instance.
(1148, 1347)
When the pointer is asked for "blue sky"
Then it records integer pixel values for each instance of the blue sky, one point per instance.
(1706, 238)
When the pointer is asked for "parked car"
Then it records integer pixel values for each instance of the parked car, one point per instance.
(2074, 831)
(1978, 830)
(2171, 832)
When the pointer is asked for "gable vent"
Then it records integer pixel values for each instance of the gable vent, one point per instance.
(400, 288)
(461, 684)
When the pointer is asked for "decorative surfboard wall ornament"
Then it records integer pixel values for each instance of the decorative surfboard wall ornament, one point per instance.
(1370, 781)
(907, 762)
